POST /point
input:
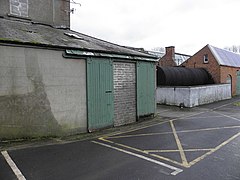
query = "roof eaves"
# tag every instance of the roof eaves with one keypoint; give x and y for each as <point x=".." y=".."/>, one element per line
<point x="215" y="54"/>
<point x="82" y="53"/>
<point x="182" y="54"/>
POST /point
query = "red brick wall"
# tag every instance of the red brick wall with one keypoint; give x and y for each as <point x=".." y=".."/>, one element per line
<point x="196" y="61"/>
<point x="225" y="71"/>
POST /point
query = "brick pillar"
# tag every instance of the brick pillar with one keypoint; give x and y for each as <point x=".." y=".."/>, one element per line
<point x="170" y="52"/>
<point x="169" y="58"/>
<point x="124" y="93"/>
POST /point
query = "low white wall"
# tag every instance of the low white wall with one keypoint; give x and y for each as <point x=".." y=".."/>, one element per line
<point x="193" y="95"/>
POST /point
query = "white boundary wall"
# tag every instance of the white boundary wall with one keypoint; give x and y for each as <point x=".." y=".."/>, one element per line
<point x="191" y="96"/>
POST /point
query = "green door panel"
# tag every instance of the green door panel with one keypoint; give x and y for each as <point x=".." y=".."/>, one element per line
<point x="100" y="93"/>
<point x="146" y="88"/>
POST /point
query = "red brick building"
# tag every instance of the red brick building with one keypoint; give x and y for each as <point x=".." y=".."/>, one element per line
<point x="223" y="65"/>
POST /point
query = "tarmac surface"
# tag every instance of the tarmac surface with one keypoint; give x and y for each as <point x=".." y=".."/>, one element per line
<point x="180" y="143"/>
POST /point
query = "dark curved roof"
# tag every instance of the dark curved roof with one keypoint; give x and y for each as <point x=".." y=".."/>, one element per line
<point x="181" y="76"/>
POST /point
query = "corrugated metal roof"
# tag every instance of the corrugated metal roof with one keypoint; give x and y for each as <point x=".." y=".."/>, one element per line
<point x="181" y="58"/>
<point x="156" y="53"/>
<point x="38" y="35"/>
<point x="224" y="57"/>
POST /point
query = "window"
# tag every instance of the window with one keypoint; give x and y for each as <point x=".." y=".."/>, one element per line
<point x="205" y="58"/>
<point x="19" y="7"/>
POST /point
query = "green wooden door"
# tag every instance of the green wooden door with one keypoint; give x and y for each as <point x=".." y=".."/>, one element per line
<point x="99" y="93"/>
<point x="146" y="88"/>
<point x="238" y="83"/>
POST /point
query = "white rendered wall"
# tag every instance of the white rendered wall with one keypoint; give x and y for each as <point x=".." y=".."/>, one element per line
<point x="193" y="95"/>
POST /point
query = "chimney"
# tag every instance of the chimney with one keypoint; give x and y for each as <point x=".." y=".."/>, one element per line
<point x="61" y="13"/>
<point x="169" y="58"/>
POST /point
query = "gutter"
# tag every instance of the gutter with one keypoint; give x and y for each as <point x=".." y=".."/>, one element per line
<point x="76" y="52"/>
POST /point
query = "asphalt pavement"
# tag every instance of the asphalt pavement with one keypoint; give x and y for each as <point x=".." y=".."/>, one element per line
<point x="180" y="143"/>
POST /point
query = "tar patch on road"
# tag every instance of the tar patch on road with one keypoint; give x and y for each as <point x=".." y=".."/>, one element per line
<point x="182" y="142"/>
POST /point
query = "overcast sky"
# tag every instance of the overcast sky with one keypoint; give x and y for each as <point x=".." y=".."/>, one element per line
<point x="186" y="24"/>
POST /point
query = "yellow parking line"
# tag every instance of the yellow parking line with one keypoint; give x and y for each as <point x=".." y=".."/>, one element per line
<point x="122" y="145"/>
<point x="175" y="169"/>
<point x="168" y="132"/>
<point x="167" y="159"/>
<point x="142" y="151"/>
<point x="208" y="129"/>
<point x="176" y="150"/>
<point x="188" y="116"/>
<point x="213" y="150"/>
<point x="203" y="117"/>
<point x="228" y="116"/>
<point x="179" y="145"/>
<point x="146" y="126"/>
<point x="106" y="140"/>
<point x="138" y="135"/>
<point x="224" y="105"/>
<point x="134" y="129"/>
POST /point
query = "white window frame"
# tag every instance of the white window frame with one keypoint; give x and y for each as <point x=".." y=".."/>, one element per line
<point x="205" y="59"/>
<point x="21" y="15"/>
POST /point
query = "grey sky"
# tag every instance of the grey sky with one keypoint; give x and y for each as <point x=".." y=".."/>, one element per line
<point x="186" y="24"/>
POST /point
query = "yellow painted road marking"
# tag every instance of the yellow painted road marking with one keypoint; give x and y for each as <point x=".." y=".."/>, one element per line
<point x="224" y="105"/>
<point x="138" y="135"/>
<point x="162" y="133"/>
<point x="228" y="116"/>
<point x="132" y="148"/>
<point x="179" y="145"/>
<point x="208" y="129"/>
<point x="142" y="151"/>
<point x="103" y="139"/>
<point x="176" y="150"/>
<point x="146" y="126"/>
<point x="203" y="117"/>
<point x="213" y="150"/>
<point x="175" y="169"/>
<point x="180" y="149"/>
<point x="134" y="129"/>
<point x="106" y="139"/>
<point x="167" y="159"/>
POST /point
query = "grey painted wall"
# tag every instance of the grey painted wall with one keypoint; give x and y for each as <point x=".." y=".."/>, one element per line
<point x="193" y="96"/>
<point x="41" y="93"/>
<point x="4" y="7"/>
<point x="124" y="93"/>
<point x="54" y="12"/>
